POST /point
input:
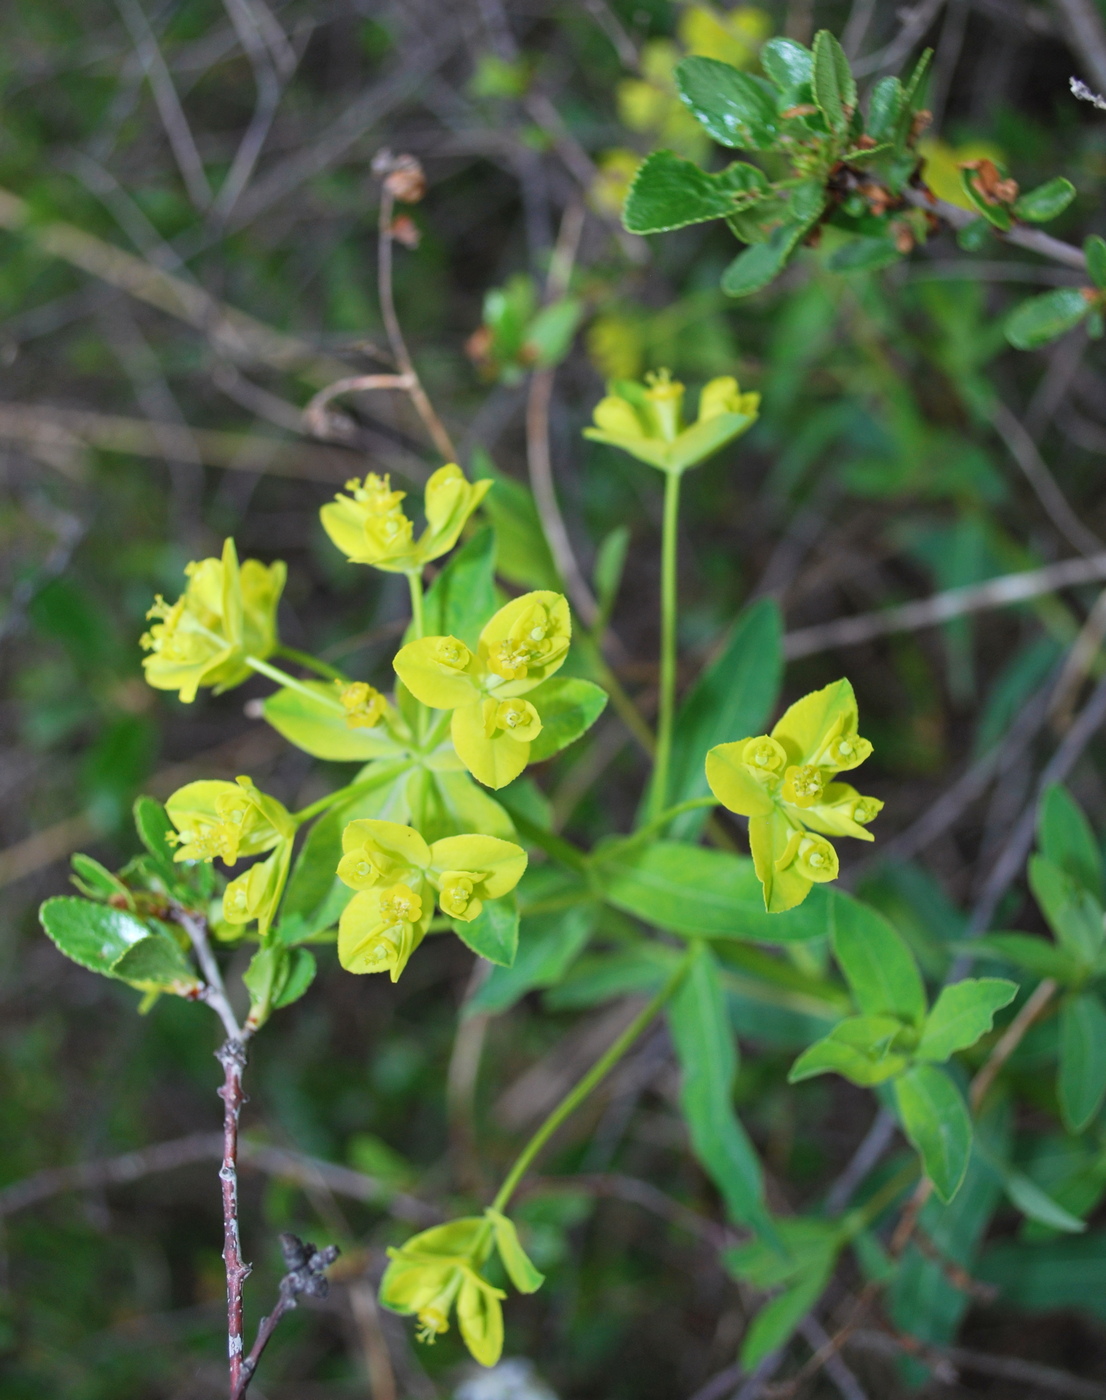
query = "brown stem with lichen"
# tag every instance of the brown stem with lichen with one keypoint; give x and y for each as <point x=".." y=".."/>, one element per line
<point x="232" y="1057"/>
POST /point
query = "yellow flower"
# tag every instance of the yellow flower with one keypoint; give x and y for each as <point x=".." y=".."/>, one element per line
<point x="370" y="527"/>
<point x="256" y="894"/>
<point x="226" y="613"/>
<point x="365" y="707"/>
<point x="784" y="782"/>
<point x="492" y="727"/>
<point x="397" y="876"/>
<point x="734" y="37"/>
<point x="646" y="420"/>
<point x="226" y="820"/>
<point x="440" y="1269"/>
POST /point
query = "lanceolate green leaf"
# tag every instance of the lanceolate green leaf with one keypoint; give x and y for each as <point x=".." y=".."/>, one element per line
<point x="1041" y="319"/>
<point x="1066" y="839"/>
<point x="878" y="966"/>
<point x="1082" y="1081"/>
<point x="962" y="1013"/>
<point x="1038" y="1205"/>
<point x="733" y="697"/>
<point x="568" y="707"/>
<point x="706" y="893"/>
<point x="735" y="108"/>
<point x="935" y="1119"/>
<point x="1073" y="914"/>
<point x="669" y="192"/>
<point x="462" y="597"/>
<point x="778" y="1319"/>
<point x="707" y="1057"/>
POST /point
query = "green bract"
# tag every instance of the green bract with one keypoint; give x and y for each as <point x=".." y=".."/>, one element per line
<point x="646" y="420"/>
<point x="397" y="877"/>
<point x="785" y="784"/>
<point x="492" y="726"/>
<point x="226" y="613"/>
<point x="369" y="525"/>
<point x="440" y="1270"/>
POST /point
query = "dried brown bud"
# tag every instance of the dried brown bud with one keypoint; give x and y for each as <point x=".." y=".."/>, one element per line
<point x="814" y="237"/>
<point x="989" y="184"/>
<point x="878" y="198"/>
<point x="921" y="120"/>
<point x="866" y="143"/>
<point x="405" y="231"/>
<point x="403" y="175"/>
<point x="804" y="109"/>
<point x="903" y="236"/>
<point x="478" y="347"/>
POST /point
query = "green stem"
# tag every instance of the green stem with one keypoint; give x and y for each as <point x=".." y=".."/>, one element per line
<point x="351" y="790"/>
<point x="311" y="663"/>
<point x="594" y="1077"/>
<point x="414" y="583"/>
<point x="618" y="849"/>
<point x="274" y="673"/>
<point x="658" y="795"/>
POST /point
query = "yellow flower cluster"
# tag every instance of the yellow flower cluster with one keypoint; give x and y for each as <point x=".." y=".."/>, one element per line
<point x="369" y="525"/>
<point x="397" y="876"/>
<point x="492" y="725"/>
<point x="785" y="783"/>
<point x="226" y="613"/>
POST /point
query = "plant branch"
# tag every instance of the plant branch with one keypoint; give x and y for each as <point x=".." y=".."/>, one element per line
<point x="1020" y="235"/>
<point x="232" y="1056"/>
<point x="417" y="394"/>
<point x="311" y="663"/>
<point x="590" y="1081"/>
<point x="305" y="1265"/>
<point x="1024" y="451"/>
<point x="215" y="992"/>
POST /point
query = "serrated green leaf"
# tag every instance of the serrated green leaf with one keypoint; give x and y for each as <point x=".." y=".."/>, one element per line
<point x="878" y="966"/>
<point x="1046" y="201"/>
<point x="787" y="63"/>
<point x="96" y="881"/>
<point x="1094" y="250"/>
<point x="885" y="109"/>
<point x="707" y="1056"/>
<point x="157" y="963"/>
<point x="859" y="1048"/>
<point x="734" y="694"/>
<point x="1066" y="839"/>
<point x="493" y="934"/>
<point x="935" y="1119"/>
<point x="735" y="108"/>
<point x="1082" y="1079"/>
<point x="704" y="893"/>
<point x="832" y="83"/>
<point x="94" y="935"/>
<point x="1041" y="319"/>
<point x="863" y="254"/>
<point x="669" y="192"/>
<point x="568" y="708"/>
<point x="962" y="1014"/>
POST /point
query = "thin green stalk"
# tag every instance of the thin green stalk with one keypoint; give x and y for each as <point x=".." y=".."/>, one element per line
<point x="311" y="663"/>
<point x="658" y="795"/>
<point x="274" y="673"/>
<point x="351" y="790"/>
<point x="618" y="849"/>
<point x="414" y="583"/>
<point x="591" y="1080"/>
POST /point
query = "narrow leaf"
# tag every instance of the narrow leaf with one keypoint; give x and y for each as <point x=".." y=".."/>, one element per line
<point x="1067" y="840"/>
<point x="833" y="83"/>
<point x="935" y="1119"/>
<point x="1041" y="319"/>
<point x="878" y="966"/>
<point x="1094" y="250"/>
<point x="1082" y="1081"/>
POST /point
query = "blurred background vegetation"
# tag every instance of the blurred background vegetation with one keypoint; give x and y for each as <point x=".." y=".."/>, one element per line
<point x="170" y="169"/>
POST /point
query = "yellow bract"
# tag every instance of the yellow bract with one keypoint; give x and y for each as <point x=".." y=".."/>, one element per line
<point x="397" y="876"/>
<point x="441" y="1268"/>
<point x="226" y="613"/>
<point x="492" y="727"/>
<point x="364" y="705"/>
<point x="784" y="782"/>
<point x="216" y="818"/>
<point x="646" y="420"/>
<point x="369" y="525"/>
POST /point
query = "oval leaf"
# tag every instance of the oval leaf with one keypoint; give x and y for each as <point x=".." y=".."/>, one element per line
<point x="94" y="935"/>
<point x="935" y="1119"/>
<point x="1041" y="319"/>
